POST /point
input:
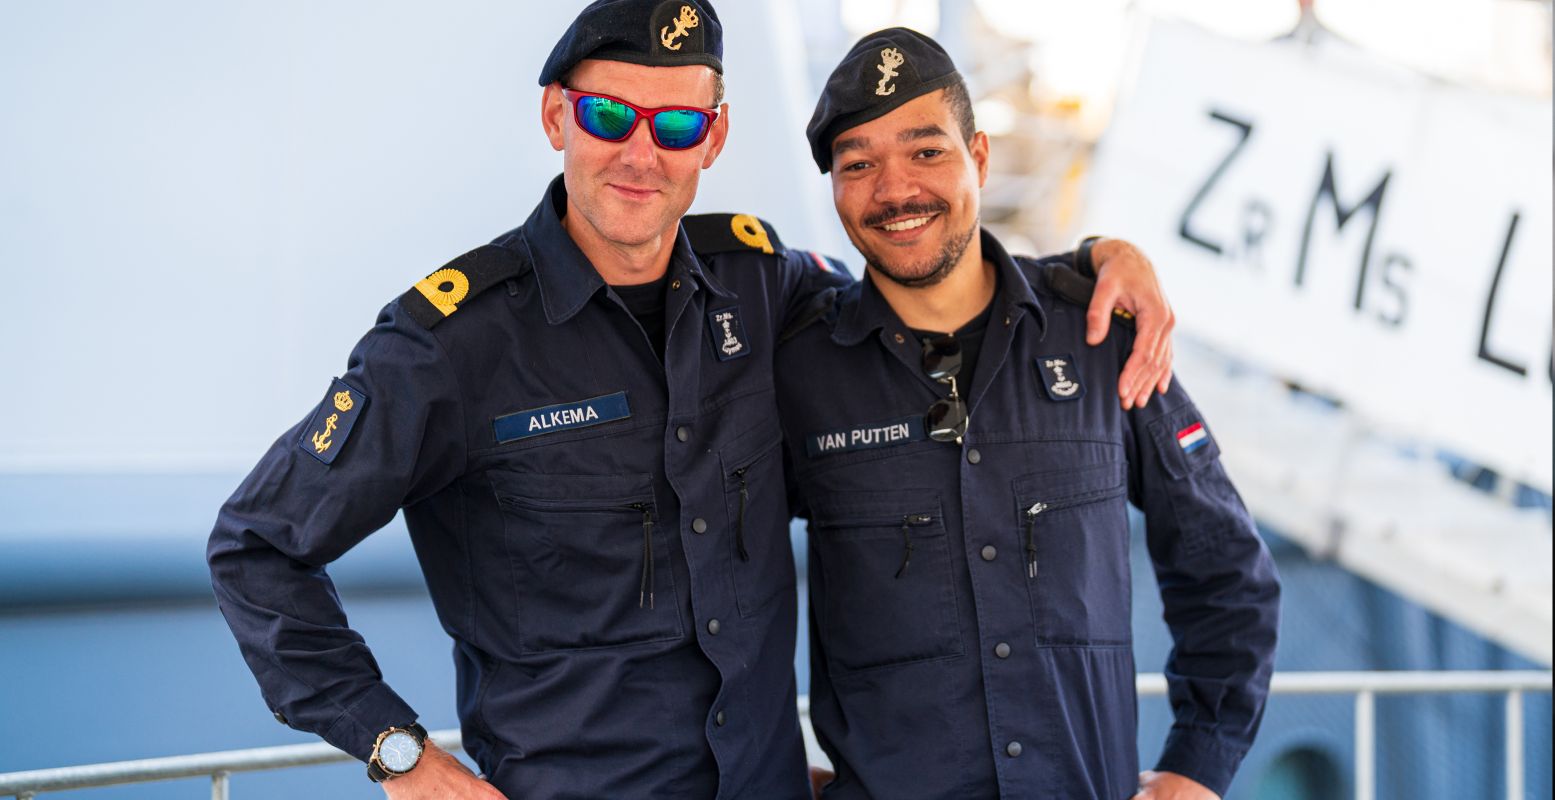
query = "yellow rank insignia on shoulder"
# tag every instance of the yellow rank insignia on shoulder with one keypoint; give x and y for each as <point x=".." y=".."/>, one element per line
<point x="729" y="233"/>
<point x="326" y="432"/>
<point x="445" y="289"/>
<point x="437" y="296"/>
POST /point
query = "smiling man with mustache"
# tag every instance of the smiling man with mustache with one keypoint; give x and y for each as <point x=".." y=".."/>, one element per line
<point x="969" y="564"/>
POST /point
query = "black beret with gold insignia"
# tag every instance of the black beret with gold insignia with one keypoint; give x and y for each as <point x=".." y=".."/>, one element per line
<point x="880" y="74"/>
<point x="654" y="33"/>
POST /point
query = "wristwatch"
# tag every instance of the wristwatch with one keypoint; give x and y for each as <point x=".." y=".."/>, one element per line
<point x="396" y="752"/>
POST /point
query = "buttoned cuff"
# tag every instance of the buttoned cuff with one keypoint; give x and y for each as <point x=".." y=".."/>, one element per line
<point x="1201" y="756"/>
<point x="357" y="728"/>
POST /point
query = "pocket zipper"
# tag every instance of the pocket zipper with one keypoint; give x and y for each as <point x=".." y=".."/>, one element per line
<point x="910" y="521"/>
<point x="739" y="524"/>
<point x="1030" y="515"/>
<point x="593" y="505"/>
<point x="645" y="588"/>
<point x="1031" y="543"/>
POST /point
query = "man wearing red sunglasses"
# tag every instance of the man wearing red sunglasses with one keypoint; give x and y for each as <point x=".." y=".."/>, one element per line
<point x="578" y="423"/>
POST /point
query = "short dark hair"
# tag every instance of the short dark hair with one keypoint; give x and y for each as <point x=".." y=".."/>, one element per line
<point x="960" y="102"/>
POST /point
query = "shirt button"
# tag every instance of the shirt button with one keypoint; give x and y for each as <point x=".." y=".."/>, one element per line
<point x="683" y="433"/>
<point x="719" y="719"/>
<point x="1001" y="650"/>
<point x="990" y="552"/>
<point x="1013" y="748"/>
<point x="675" y="284"/>
<point x="972" y="456"/>
<point x="713" y="627"/>
<point x="699" y="525"/>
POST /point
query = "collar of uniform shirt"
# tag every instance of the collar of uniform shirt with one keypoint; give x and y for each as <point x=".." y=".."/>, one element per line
<point x="970" y="336"/>
<point x="864" y="310"/>
<point x="567" y="278"/>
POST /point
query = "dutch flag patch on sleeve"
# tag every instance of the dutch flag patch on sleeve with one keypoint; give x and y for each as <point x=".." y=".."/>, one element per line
<point x="1192" y="437"/>
<point x="1183" y="441"/>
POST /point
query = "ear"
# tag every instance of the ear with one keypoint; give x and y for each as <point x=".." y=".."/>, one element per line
<point x="717" y="136"/>
<point x="979" y="150"/>
<point x="553" y="115"/>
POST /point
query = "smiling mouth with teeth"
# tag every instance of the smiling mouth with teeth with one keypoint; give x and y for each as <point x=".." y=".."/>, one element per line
<point x="907" y="224"/>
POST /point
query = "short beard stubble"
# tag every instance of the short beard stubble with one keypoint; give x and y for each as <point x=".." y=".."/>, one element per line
<point x="936" y="270"/>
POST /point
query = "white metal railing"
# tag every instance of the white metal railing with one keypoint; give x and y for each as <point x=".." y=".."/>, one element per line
<point x="1365" y="686"/>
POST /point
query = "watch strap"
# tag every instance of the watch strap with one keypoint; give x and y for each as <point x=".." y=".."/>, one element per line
<point x="1082" y="260"/>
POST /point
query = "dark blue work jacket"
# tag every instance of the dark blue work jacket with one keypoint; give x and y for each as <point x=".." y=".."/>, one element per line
<point x="604" y="535"/>
<point x="970" y="604"/>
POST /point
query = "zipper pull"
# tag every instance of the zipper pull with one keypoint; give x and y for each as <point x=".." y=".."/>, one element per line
<point x="739" y="525"/>
<point x="908" y="521"/>
<point x="645" y="588"/>
<point x="1031" y="544"/>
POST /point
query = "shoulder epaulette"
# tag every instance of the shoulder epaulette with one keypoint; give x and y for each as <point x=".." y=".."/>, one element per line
<point x="728" y="233"/>
<point x="1068" y="284"/>
<point x="822" y="306"/>
<point x="440" y="294"/>
<point x="1072" y="287"/>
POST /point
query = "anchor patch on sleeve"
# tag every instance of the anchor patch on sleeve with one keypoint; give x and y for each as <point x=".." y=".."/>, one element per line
<point x="332" y="422"/>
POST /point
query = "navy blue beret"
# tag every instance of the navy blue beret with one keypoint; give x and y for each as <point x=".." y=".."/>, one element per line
<point x="880" y="74"/>
<point x="654" y="33"/>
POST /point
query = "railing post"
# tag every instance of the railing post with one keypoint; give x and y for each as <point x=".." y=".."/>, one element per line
<point x="1365" y="745"/>
<point x="1514" y="745"/>
<point x="219" y="781"/>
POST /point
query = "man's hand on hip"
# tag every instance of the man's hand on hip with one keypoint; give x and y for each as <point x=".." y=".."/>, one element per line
<point x="1171" y="786"/>
<point x="439" y="776"/>
<point x="1125" y="279"/>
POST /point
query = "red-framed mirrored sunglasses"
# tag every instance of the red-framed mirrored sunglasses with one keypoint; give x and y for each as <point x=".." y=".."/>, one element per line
<point x="612" y="119"/>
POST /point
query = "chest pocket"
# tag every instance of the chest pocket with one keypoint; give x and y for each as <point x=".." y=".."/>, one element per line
<point x="757" y="503"/>
<point x="886" y="594"/>
<point x="1072" y="528"/>
<point x="591" y="566"/>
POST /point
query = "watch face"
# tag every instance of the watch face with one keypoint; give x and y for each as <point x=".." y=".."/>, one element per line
<point x="399" y="752"/>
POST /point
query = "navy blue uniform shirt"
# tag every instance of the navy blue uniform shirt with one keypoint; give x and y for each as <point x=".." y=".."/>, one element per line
<point x="970" y="604"/>
<point x="604" y="536"/>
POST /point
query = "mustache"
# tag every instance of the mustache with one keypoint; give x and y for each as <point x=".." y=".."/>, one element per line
<point x="893" y="212"/>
